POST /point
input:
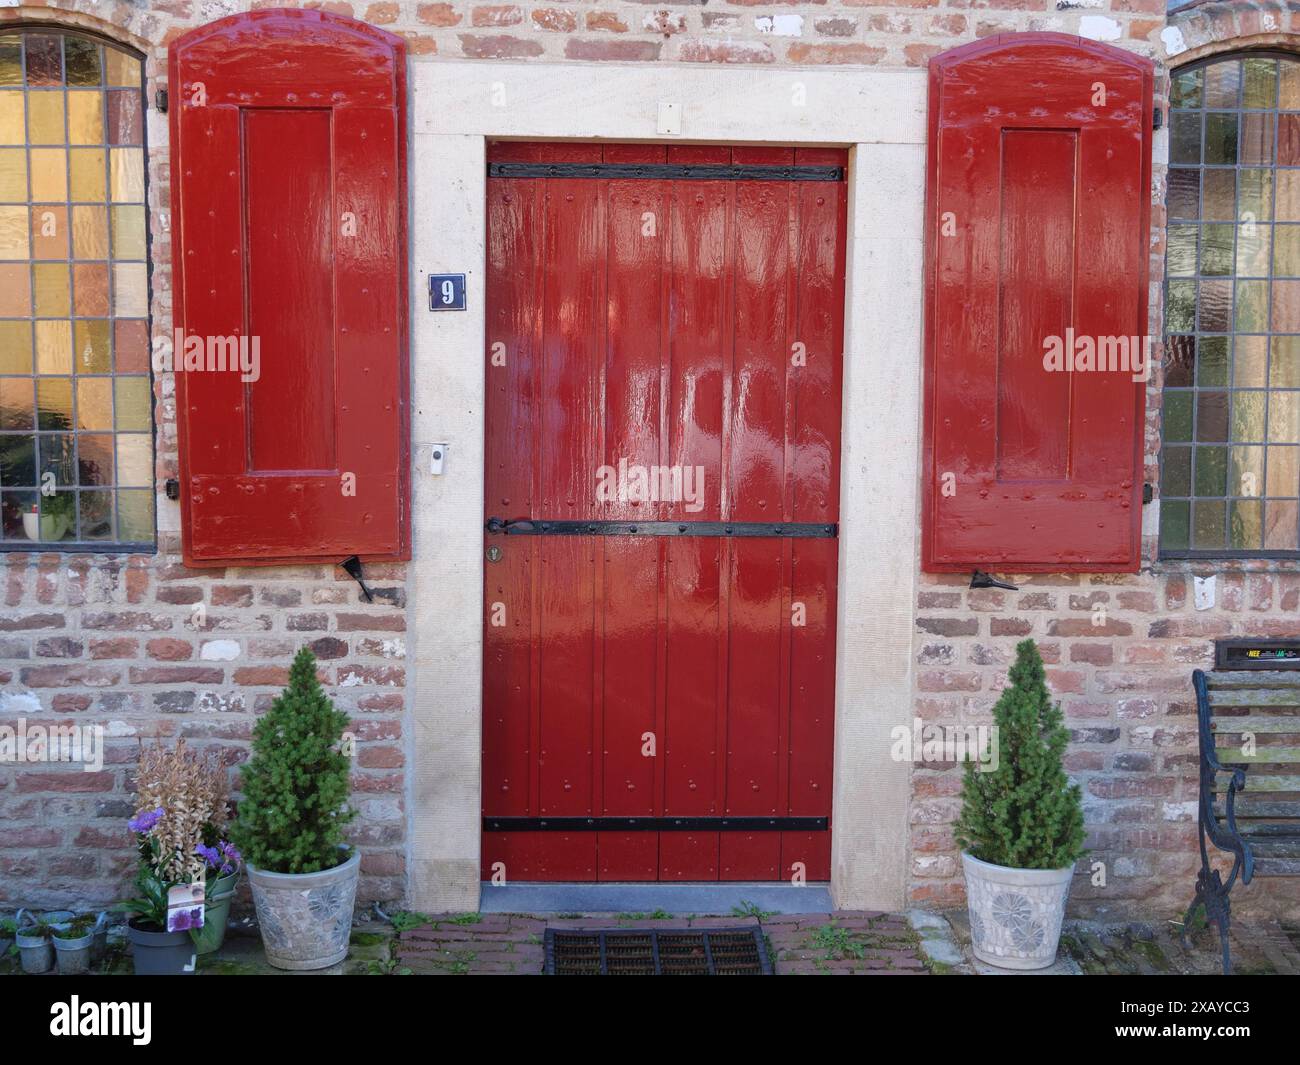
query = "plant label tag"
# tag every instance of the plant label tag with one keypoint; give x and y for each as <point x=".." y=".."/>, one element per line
<point x="184" y="907"/>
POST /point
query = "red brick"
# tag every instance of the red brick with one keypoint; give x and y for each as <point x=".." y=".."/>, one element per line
<point x="618" y="51"/>
<point x="834" y="53"/>
<point x="1010" y="627"/>
<point x="605" y="20"/>
<point x="176" y="675"/>
<point x="438" y="15"/>
<point x="262" y="676"/>
<point x="33" y="837"/>
<point x="1097" y="654"/>
<point x="555" y="19"/>
<point x="78" y="675"/>
<point x="59" y="647"/>
<point x="382" y="675"/>
<point x="1085" y="627"/>
<point x="74" y="779"/>
<point x="497" y="15"/>
<point x="371" y="623"/>
<point x="500" y="46"/>
<point x="179" y="595"/>
<point x="168" y="649"/>
<point x="936" y="680"/>
<point x="232" y="595"/>
<point x="114" y="647"/>
<point x="127" y="621"/>
<point x="380" y="757"/>
<point x="382" y="14"/>
<point x="25" y="622"/>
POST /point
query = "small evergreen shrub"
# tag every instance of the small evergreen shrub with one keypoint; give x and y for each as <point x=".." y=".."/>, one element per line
<point x="1025" y="814"/>
<point x="296" y="784"/>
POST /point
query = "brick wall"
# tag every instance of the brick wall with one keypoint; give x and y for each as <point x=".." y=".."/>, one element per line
<point x="122" y="642"/>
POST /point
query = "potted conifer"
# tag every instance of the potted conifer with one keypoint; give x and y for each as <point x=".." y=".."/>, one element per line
<point x="1021" y="826"/>
<point x="290" y="826"/>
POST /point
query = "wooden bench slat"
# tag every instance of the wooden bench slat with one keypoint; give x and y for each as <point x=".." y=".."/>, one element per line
<point x="1250" y="807"/>
<point x="1253" y="830"/>
<point x="1277" y="867"/>
<point x="1253" y="678"/>
<point x="1255" y="697"/>
<point x="1276" y="848"/>
<point x="1255" y="723"/>
<point x="1263" y="782"/>
<point x="1231" y="755"/>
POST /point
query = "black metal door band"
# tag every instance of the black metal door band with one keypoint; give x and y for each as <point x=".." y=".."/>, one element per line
<point x="794" y="530"/>
<point x="655" y="824"/>
<point x="666" y="171"/>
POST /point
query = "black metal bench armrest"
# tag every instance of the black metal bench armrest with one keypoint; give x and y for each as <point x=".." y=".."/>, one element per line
<point x="1224" y="833"/>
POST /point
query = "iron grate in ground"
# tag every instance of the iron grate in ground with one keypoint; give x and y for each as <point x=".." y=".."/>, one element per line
<point x="657" y="952"/>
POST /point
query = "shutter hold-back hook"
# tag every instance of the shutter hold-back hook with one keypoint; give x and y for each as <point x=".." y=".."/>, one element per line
<point x="980" y="579"/>
<point x="352" y="567"/>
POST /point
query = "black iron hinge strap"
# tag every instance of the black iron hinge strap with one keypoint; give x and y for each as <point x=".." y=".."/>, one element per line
<point x="666" y="171"/>
<point x="655" y="824"/>
<point x="798" y="529"/>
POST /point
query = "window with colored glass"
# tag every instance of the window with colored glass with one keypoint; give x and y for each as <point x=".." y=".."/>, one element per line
<point x="1230" y="458"/>
<point x="76" y="412"/>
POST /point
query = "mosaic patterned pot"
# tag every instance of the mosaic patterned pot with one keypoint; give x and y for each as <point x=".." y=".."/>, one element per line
<point x="306" y="918"/>
<point x="1015" y="914"/>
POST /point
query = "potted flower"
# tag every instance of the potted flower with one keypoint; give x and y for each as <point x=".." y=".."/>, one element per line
<point x="290" y="826"/>
<point x="1021" y="826"/>
<point x="72" y="942"/>
<point x="181" y="799"/>
<point x="32" y="936"/>
<point x="222" y="865"/>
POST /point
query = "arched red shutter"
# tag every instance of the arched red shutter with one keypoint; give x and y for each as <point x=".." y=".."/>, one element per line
<point x="1037" y="228"/>
<point x="288" y="188"/>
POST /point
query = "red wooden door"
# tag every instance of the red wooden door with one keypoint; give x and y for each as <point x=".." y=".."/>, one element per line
<point x="663" y="377"/>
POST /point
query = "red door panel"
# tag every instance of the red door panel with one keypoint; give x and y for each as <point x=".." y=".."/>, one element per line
<point x="672" y="322"/>
<point x="1039" y="210"/>
<point x="289" y="204"/>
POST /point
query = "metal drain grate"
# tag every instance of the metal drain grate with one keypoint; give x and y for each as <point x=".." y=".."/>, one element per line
<point x="657" y="952"/>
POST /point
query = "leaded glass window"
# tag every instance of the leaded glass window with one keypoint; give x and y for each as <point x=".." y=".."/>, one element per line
<point x="1230" y="460"/>
<point x="76" y="412"/>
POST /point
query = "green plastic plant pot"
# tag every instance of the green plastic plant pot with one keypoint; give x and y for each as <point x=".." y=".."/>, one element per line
<point x="215" y="916"/>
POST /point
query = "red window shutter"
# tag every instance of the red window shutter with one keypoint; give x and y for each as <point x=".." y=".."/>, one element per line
<point x="288" y="162"/>
<point x="1038" y="216"/>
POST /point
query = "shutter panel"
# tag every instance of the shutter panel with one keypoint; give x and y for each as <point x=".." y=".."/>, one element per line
<point x="288" y="186"/>
<point x="1037" y="227"/>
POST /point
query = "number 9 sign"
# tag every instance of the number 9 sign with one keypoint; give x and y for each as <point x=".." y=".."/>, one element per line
<point x="446" y="292"/>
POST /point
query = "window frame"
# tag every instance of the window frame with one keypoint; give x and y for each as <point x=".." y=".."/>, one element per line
<point x="1191" y="554"/>
<point x="106" y="547"/>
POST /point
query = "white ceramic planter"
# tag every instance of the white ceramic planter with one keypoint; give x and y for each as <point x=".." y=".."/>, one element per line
<point x="306" y="918"/>
<point x="1015" y="914"/>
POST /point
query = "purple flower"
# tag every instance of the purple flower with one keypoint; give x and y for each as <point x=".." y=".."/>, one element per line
<point x="209" y="855"/>
<point x="186" y="919"/>
<point x="232" y="856"/>
<point x="144" y="822"/>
